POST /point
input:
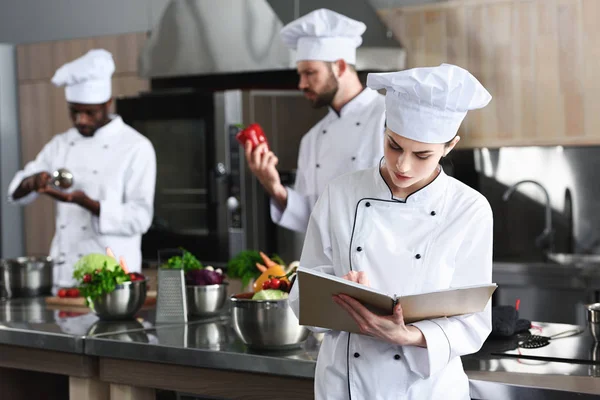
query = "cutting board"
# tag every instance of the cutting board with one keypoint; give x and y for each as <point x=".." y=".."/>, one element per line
<point x="80" y="301"/>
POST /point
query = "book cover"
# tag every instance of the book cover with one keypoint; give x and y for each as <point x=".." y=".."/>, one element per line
<point x="318" y="309"/>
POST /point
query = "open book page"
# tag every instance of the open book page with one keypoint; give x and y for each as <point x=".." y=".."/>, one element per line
<point x="318" y="309"/>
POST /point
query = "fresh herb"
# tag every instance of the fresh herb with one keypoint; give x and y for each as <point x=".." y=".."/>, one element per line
<point x="187" y="262"/>
<point x="102" y="281"/>
<point x="243" y="265"/>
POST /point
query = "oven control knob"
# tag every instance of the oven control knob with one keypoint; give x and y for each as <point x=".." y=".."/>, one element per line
<point x="233" y="203"/>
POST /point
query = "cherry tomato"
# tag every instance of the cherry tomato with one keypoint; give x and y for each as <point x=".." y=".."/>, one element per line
<point x="73" y="293"/>
<point x="62" y="293"/>
<point x="284" y="286"/>
<point x="87" y="278"/>
<point x="275" y="283"/>
<point x="266" y="284"/>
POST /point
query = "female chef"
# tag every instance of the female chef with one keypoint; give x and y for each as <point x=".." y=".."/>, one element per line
<point x="405" y="227"/>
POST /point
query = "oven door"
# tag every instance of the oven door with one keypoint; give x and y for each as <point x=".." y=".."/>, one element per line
<point x="181" y="126"/>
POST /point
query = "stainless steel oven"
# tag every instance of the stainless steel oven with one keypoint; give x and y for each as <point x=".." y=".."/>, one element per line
<point x="206" y="200"/>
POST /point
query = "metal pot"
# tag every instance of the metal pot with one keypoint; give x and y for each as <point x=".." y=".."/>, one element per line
<point x="593" y="320"/>
<point x="266" y="324"/>
<point x="26" y="277"/>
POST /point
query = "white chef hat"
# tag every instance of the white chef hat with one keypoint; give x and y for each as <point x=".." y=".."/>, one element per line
<point x="324" y="35"/>
<point x="88" y="78"/>
<point x="429" y="104"/>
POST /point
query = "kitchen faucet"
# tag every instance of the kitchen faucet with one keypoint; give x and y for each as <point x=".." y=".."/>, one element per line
<point x="546" y="238"/>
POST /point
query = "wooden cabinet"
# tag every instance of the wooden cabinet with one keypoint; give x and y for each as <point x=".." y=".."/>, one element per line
<point x="43" y="110"/>
<point x="540" y="59"/>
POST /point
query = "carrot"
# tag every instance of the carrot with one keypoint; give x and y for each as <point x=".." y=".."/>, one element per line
<point x="268" y="262"/>
<point x="110" y="253"/>
<point x="261" y="267"/>
<point x="123" y="264"/>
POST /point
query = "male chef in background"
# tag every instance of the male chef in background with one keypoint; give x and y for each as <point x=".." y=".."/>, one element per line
<point x="348" y="138"/>
<point x="110" y="203"/>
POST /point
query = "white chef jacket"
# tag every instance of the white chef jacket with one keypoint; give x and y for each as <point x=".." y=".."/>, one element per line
<point x="437" y="238"/>
<point x="338" y="144"/>
<point x="117" y="167"/>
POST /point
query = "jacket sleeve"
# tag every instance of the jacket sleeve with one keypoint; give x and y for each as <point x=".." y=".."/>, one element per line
<point x="452" y="337"/>
<point x="317" y="250"/>
<point x="42" y="163"/>
<point x="297" y="213"/>
<point x="129" y="212"/>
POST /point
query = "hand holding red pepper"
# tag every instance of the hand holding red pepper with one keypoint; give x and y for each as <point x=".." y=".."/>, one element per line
<point x="262" y="162"/>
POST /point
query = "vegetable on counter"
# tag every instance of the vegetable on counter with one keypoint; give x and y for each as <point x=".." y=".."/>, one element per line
<point x="269" y="270"/>
<point x="187" y="262"/>
<point x="204" y="276"/>
<point x="243" y="265"/>
<point x="270" y="294"/>
<point x="99" y="274"/>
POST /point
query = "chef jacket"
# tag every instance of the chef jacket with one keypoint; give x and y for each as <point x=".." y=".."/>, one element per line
<point x="437" y="238"/>
<point x="117" y="167"/>
<point x="338" y="144"/>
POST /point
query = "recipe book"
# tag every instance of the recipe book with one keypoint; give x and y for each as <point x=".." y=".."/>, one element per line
<point x="318" y="309"/>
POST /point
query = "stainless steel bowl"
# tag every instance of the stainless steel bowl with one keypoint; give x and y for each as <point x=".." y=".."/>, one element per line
<point x="62" y="178"/>
<point x="266" y="324"/>
<point x="206" y="300"/>
<point x="122" y="303"/>
<point x="593" y="320"/>
<point x="26" y="277"/>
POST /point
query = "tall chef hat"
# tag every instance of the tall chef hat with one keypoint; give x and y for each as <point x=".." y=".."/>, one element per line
<point x="429" y="104"/>
<point x="87" y="79"/>
<point x="324" y="35"/>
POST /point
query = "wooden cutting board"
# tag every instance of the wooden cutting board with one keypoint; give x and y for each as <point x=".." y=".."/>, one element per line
<point x="80" y="301"/>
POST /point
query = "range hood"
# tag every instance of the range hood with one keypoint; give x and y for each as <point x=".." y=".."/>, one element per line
<point x="204" y="37"/>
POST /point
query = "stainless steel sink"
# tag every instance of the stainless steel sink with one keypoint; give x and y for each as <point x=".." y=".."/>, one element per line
<point x="574" y="259"/>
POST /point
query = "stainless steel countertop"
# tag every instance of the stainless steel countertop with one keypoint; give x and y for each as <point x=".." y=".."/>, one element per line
<point x="213" y="344"/>
<point x="30" y="323"/>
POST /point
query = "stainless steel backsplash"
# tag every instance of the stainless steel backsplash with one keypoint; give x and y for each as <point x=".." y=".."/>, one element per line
<point x="570" y="175"/>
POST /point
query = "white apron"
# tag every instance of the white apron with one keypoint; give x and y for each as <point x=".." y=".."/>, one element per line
<point x="117" y="167"/>
<point x="440" y="237"/>
<point x="334" y="146"/>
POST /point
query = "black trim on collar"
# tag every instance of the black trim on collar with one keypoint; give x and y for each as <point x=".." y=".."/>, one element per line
<point x="390" y="189"/>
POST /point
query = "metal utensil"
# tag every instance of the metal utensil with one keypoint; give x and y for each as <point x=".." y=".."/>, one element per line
<point x="123" y="302"/>
<point x="206" y="300"/>
<point x="537" y="341"/>
<point x="26" y="277"/>
<point x="593" y="320"/>
<point x="266" y="324"/>
<point x="62" y="178"/>
<point x="171" y="300"/>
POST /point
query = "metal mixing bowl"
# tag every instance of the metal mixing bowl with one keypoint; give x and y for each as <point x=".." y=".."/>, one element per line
<point x="266" y="324"/>
<point x="206" y="300"/>
<point x="62" y="178"/>
<point x="26" y="277"/>
<point x="593" y="319"/>
<point x="123" y="302"/>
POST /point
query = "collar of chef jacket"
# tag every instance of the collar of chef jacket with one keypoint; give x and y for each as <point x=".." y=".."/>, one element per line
<point x="357" y="103"/>
<point x="103" y="134"/>
<point x="425" y="195"/>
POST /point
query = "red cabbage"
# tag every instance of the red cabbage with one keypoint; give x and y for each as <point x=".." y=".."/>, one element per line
<point x="203" y="277"/>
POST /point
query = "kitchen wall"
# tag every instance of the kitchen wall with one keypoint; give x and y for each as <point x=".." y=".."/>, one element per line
<point x="569" y="174"/>
<point x="540" y="59"/>
<point x="30" y="21"/>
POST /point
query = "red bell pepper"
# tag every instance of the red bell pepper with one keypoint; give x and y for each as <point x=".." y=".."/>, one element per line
<point x="254" y="134"/>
